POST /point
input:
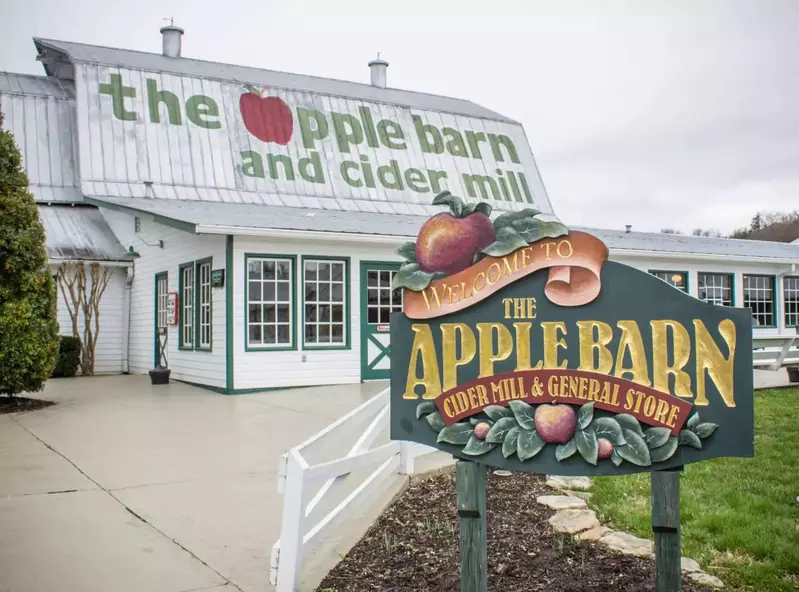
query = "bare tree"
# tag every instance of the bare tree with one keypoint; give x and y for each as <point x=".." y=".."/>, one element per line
<point x="82" y="294"/>
<point x="669" y="231"/>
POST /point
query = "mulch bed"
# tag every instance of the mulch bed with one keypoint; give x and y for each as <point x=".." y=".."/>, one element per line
<point x="414" y="547"/>
<point x="20" y="404"/>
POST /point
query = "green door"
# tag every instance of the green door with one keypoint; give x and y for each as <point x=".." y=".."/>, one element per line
<point x="159" y="315"/>
<point x="378" y="301"/>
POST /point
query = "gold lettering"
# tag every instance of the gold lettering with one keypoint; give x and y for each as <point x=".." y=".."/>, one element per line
<point x="649" y="410"/>
<point x="473" y="403"/>
<point x="552" y="386"/>
<point x="526" y="253"/>
<point x="615" y="401"/>
<point x="673" y="416"/>
<point x="497" y="393"/>
<point x="464" y="400"/>
<point x="594" y="354"/>
<point x="490" y="354"/>
<point x="681" y="345"/>
<point x="519" y="308"/>
<point x="531" y="308"/>
<point x="507" y="267"/>
<point x="507" y="302"/>
<point x="452" y="299"/>
<point x="481" y="394"/>
<point x="475" y="289"/>
<point x="552" y="342"/>
<point x="448" y="407"/>
<point x="493" y="266"/>
<point x="631" y="341"/>
<point x="574" y="384"/>
<point x="593" y="390"/>
<point x="453" y="334"/>
<point x="709" y="358"/>
<point x="522" y="331"/>
<point x="548" y="246"/>
<point x="628" y="399"/>
<point x="423" y="349"/>
<point x="661" y="411"/>
<point x="569" y="250"/>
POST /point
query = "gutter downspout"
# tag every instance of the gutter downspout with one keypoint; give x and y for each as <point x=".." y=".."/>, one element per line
<point x="131" y="272"/>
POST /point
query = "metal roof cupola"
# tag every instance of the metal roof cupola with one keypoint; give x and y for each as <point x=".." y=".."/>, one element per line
<point x="379" y="69"/>
<point x="171" y="36"/>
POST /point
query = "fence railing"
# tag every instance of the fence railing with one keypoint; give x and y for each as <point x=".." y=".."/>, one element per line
<point x="296" y="476"/>
<point x="772" y="353"/>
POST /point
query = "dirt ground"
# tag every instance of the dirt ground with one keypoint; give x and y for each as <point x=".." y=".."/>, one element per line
<point x="414" y="546"/>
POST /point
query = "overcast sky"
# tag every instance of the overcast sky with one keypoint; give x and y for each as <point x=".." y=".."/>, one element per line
<point x="669" y="113"/>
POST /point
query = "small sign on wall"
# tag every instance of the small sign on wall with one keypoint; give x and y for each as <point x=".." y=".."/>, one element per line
<point x="217" y="278"/>
<point x="172" y="308"/>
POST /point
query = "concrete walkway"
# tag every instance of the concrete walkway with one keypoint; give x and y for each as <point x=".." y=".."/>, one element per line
<point x="127" y="487"/>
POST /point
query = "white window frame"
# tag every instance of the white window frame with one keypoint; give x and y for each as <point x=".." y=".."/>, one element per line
<point x="317" y="322"/>
<point x="275" y="302"/>
<point x="205" y="317"/>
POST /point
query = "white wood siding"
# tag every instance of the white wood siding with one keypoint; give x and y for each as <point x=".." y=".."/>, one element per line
<point x="201" y="367"/>
<point x="265" y="369"/>
<point x="110" y="347"/>
<point x="187" y="161"/>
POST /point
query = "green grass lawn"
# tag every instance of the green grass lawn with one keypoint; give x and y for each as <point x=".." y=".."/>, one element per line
<point x="739" y="517"/>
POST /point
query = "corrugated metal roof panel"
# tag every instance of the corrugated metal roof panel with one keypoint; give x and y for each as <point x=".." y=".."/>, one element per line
<point x="79" y="232"/>
<point x="304" y="219"/>
<point x="41" y="115"/>
<point x="139" y="60"/>
<point x="27" y="84"/>
<point x="693" y="245"/>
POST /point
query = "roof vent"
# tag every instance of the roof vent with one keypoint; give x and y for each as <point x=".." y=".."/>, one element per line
<point x="171" y="37"/>
<point x="628" y="228"/>
<point x="378" y="68"/>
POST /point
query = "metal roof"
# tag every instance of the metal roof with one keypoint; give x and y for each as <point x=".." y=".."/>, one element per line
<point x="215" y="217"/>
<point x="657" y="242"/>
<point x="79" y="232"/>
<point x="40" y="113"/>
<point x="156" y="62"/>
<point x="27" y="84"/>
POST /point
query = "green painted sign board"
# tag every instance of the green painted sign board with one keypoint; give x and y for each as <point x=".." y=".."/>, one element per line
<point x="537" y="354"/>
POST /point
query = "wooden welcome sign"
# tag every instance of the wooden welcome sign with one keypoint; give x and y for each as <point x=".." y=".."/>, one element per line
<point x="521" y="347"/>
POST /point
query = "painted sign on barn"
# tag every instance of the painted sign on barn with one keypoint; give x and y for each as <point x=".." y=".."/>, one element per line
<point x="189" y="132"/>
<point x="522" y="347"/>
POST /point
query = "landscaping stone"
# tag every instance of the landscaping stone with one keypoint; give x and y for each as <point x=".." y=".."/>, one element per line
<point x="559" y="482"/>
<point x="595" y="533"/>
<point x="583" y="495"/>
<point x="561" y="502"/>
<point x="689" y="565"/>
<point x="628" y="544"/>
<point x="705" y="579"/>
<point x="572" y="521"/>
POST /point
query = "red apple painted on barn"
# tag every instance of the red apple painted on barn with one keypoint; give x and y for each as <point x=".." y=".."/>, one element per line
<point x="267" y="118"/>
<point x="555" y="423"/>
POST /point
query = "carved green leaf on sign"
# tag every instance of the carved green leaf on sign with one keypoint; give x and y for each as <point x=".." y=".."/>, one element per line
<point x="411" y="276"/>
<point x="703" y="430"/>
<point x="476" y="447"/>
<point x="510" y="442"/>
<point x="585" y="415"/>
<point x="408" y="252"/>
<point x="587" y="445"/>
<point x="424" y="409"/>
<point x="693" y="421"/>
<point x="666" y="451"/>
<point x="616" y="458"/>
<point x="609" y="429"/>
<point x="499" y="430"/>
<point x="507" y="241"/>
<point x="635" y="451"/>
<point x="497" y="412"/>
<point x="435" y="421"/>
<point x="564" y="451"/>
<point x="457" y="433"/>
<point x="655" y="437"/>
<point x="688" y="438"/>
<point x="627" y="421"/>
<point x="524" y="414"/>
<point x="529" y="444"/>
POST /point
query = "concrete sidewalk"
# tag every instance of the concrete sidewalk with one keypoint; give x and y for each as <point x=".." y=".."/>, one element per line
<point x="127" y="487"/>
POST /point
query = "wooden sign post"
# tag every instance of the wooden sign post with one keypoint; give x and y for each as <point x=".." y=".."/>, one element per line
<point x="521" y="347"/>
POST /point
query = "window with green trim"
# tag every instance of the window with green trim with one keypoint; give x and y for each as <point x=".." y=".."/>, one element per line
<point x="186" y="290"/>
<point x="790" y="290"/>
<point x="678" y="279"/>
<point x="759" y="296"/>
<point x="204" y="310"/>
<point x="715" y="288"/>
<point x="325" y="301"/>
<point x="270" y="301"/>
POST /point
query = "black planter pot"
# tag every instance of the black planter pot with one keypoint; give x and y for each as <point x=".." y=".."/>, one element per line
<point x="793" y="373"/>
<point x="160" y="375"/>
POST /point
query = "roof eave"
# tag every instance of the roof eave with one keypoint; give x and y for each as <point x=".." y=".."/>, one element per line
<point x="702" y="256"/>
<point x="385" y="239"/>
<point x="175" y="223"/>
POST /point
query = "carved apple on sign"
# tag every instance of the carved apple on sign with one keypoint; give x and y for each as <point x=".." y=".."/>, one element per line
<point x="267" y="118"/>
<point x="448" y="242"/>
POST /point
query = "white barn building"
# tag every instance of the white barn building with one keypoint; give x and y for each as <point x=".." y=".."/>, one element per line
<point x="271" y="204"/>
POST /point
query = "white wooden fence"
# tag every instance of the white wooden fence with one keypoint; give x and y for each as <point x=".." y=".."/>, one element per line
<point x="772" y="353"/>
<point x="296" y="476"/>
